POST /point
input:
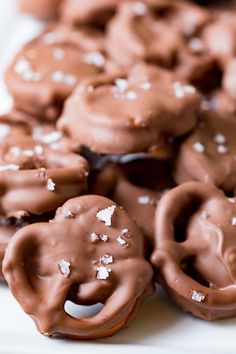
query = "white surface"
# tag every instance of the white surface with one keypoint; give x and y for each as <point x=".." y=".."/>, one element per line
<point x="159" y="327"/>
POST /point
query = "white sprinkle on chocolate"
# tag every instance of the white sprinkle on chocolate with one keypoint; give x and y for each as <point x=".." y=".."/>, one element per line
<point x="69" y="215"/>
<point x="103" y="272"/>
<point x="131" y="96"/>
<point x="121" y="241"/>
<point x="233" y="221"/>
<point x="222" y="149"/>
<point x="107" y="259"/>
<point x="121" y="85"/>
<point x="51" y="186"/>
<point x="204" y="215"/>
<point x="4" y="130"/>
<point x="144" y="200"/>
<point x="139" y="8"/>
<point x="59" y="54"/>
<point x="64" y="267"/>
<point x="199" y="147"/>
<point x="93" y="237"/>
<point x="95" y="58"/>
<point x="11" y="167"/>
<point x="220" y="138"/>
<point x="197" y="296"/>
<point x="146" y="86"/>
<point x="180" y="90"/>
<point x="105" y="215"/>
<point x="103" y="237"/>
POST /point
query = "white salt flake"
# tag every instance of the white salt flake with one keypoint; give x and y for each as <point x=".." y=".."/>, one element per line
<point x="121" y="241"/>
<point x="11" y="167"/>
<point x="103" y="272"/>
<point x="58" y="76"/>
<point x="104" y="237"/>
<point x="220" y="138"/>
<point x="68" y="214"/>
<point x="59" y="54"/>
<point x="199" y="147"/>
<point x="95" y="58"/>
<point x="144" y="200"/>
<point x="51" y="186"/>
<point x="38" y="149"/>
<point x="196" y="296"/>
<point x="22" y="66"/>
<point x="105" y="215"/>
<point x="139" y="8"/>
<point x="93" y="237"/>
<point x="70" y="80"/>
<point x="196" y="44"/>
<point x="233" y="221"/>
<point x="222" y="149"/>
<point x="146" y="86"/>
<point x="131" y="96"/>
<point x="107" y="259"/>
<point x="64" y="267"/>
<point x="15" y="150"/>
<point x="4" y="130"/>
<point x="231" y="200"/>
<point x="121" y="85"/>
<point x="51" y="138"/>
<point x="180" y="90"/>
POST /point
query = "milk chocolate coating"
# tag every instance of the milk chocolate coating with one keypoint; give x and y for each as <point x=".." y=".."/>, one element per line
<point x="229" y="81"/>
<point x="88" y="12"/>
<point x="42" y="9"/>
<point x="46" y="71"/>
<point x="196" y="249"/>
<point x="219" y="37"/>
<point x="34" y="177"/>
<point x="137" y="186"/>
<point x="208" y="154"/>
<point x="48" y="263"/>
<point x="118" y="114"/>
<point x="142" y="36"/>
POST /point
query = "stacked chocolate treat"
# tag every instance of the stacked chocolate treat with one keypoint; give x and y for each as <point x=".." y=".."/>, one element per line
<point x="118" y="162"/>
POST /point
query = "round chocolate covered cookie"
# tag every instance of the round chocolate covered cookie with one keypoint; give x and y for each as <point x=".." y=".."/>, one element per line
<point x="92" y="252"/>
<point x="196" y="249"/>
<point x="46" y="71"/>
<point x="118" y="114"/>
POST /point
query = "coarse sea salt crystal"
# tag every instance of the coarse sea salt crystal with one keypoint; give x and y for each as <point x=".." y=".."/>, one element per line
<point x="4" y="130"/>
<point x="196" y="44"/>
<point x="197" y="296"/>
<point x="121" y="85"/>
<point x="104" y="237"/>
<point x="105" y="215"/>
<point x="222" y="149"/>
<point x="103" y="273"/>
<point x="233" y="221"/>
<point x="68" y="214"/>
<point x="51" y="186"/>
<point x="131" y="96"/>
<point x="93" y="237"/>
<point x="146" y="86"/>
<point x="180" y="90"/>
<point x="231" y="200"/>
<point x="51" y="137"/>
<point x="95" y="58"/>
<point x="121" y="241"/>
<point x="64" y="267"/>
<point x="220" y="138"/>
<point x="199" y="147"/>
<point x="144" y="200"/>
<point x="107" y="259"/>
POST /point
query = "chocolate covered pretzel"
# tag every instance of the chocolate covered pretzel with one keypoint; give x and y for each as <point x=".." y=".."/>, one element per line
<point x="137" y="186"/>
<point x="117" y="114"/>
<point x="88" y="12"/>
<point x="46" y="71"/>
<point x="208" y="154"/>
<point x="42" y="9"/>
<point x="92" y="252"/>
<point x="196" y="249"/>
<point x="142" y="36"/>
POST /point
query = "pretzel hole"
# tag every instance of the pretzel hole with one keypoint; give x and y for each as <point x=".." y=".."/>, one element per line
<point x="181" y="223"/>
<point x="80" y="311"/>
<point x="188" y="267"/>
<point x="155" y="176"/>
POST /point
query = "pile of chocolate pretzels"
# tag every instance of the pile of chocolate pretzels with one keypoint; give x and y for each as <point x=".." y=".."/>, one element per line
<point x="118" y="162"/>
